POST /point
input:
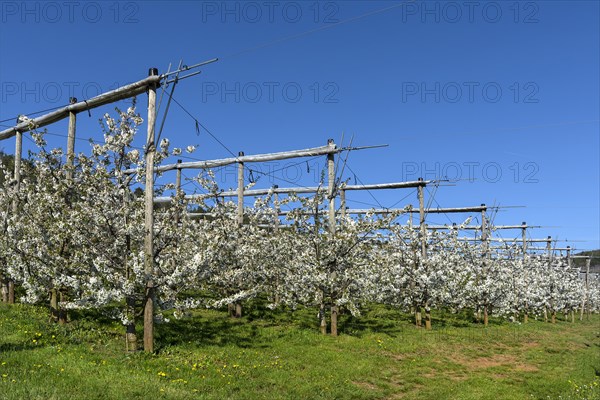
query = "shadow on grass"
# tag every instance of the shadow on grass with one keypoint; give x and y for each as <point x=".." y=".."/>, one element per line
<point x="213" y="331"/>
<point x="5" y="347"/>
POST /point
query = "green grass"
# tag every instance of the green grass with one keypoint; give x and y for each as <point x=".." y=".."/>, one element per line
<point x="281" y="355"/>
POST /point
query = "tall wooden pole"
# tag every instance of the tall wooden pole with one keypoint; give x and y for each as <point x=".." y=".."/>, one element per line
<point x="240" y="191"/>
<point x="60" y="292"/>
<point x="236" y="309"/>
<point x="549" y="247"/>
<point x="343" y="202"/>
<point x="17" y="174"/>
<point x="71" y="140"/>
<point x="423" y="236"/>
<point x="149" y="220"/>
<point x="331" y="221"/>
<point x="524" y="238"/>
<point x="276" y="230"/>
<point x="178" y="189"/>
<point x="587" y="287"/>
<point x="484" y="255"/>
<point x="422" y="220"/>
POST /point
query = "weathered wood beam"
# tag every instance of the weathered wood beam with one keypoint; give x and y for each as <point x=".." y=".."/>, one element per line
<point x="127" y="91"/>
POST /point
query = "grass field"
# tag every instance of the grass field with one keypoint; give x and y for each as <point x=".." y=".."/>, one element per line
<point x="281" y="355"/>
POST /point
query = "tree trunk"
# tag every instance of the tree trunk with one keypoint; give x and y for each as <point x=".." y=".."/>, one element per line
<point x="572" y="316"/>
<point x="553" y="316"/>
<point x="322" y="319"/>
<point x="62" y="313"/>
<point x="334" y="320"/>
<point x="4" y="289"/>
<point x="418" y="320"/>
<point x="485" y="316"/>
<point x="130" y="335"/>
<point x="11" y="291"/>
<point x="54" y="305"/>
<point x="525" y="318"/>
<point x="238" y="310"/>
<point x="545" y="314"/>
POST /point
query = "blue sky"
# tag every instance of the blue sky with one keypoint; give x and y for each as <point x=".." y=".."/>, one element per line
<point x="502" y="97"/>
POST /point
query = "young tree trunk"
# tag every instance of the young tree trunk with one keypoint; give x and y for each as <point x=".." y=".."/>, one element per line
<point x="130" y="335"/>
<point x="525" y="318"/>
<point x="334" y="320"/>
<point x="54" y="305"/>
<point x="553" y="316"/>
<point x="418" y="319"/>
<point x="485" y="316"/>
<point x="545" y="314"/>
<point x="572" y="316"/>
<point x="322" y="319"/>
<point x="4" y="289"/>
<point x="62" y="313"/>
<point x="11" y="292"/>
<point x="238" y="310"/>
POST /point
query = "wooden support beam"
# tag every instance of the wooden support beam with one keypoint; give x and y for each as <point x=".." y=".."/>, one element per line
<point x="309" y="190"/>
<point x="284" y="155"/>
<point x="121" y="93"/>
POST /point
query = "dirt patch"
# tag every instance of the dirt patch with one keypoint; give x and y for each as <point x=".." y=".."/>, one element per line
<point x="497" y="360"/>
<point x="365" y="385"/>
<point x="530" y="345"/>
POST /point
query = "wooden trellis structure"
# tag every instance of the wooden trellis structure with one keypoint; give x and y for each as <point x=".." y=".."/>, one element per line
<point x="149" y="85"/>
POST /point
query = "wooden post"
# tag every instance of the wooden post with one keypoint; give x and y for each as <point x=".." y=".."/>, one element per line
<point x="17" y="174"/>
<point x="484" y="255"/>
<point x="178" y="190"/>
<point x="587" y="287"/>
<point x="130" y="333"/>
<point x="331" y="224"/>
<point x="149" y="220"/>
<point x="422" y="220"/>
<point x="178" y="179"/>
<point x="71" y="140"/>
<point x="276" y="207"/>
<point x="62" y="313"/>
<point x="524" y="238"/>
<point x="343" y="202"/>
<point x="240" y="191"/>
<point x="423" y="230"/>
<point x="549" y="247"/>
<point x="276" y="230"/>
<point x="236" y="308"/>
